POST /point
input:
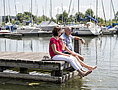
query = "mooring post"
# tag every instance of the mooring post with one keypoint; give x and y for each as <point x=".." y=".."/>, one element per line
<point x="77" y="46"/>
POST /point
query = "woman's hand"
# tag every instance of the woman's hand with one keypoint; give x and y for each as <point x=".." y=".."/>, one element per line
<point x="67" y="55"/>
<point x="74" y="54"/>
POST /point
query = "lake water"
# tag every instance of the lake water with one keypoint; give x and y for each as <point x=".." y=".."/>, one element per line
<point x="101" y="51"/>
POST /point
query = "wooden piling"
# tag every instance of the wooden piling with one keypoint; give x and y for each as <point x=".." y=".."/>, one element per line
<point x="77" y="46"/>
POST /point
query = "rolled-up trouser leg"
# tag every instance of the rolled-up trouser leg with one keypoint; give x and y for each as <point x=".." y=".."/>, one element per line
<point x="72" y="60"/>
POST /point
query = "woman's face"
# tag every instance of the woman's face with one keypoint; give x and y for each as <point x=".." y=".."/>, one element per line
<point x="59" y="33"/>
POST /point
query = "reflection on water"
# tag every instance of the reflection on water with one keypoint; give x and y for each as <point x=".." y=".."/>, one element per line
<point x="100" y="51"/>
<point x="33" y="44"/>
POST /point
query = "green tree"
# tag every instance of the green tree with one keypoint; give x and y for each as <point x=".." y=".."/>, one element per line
<point x="42" y="18"/>
<point x="63" y="16"/>
<point x="80" y="15"/>
<point x="71" y="18"/>
<point x="26" y="16"/>
<point x="117" y="14"/>
<point x="89" y="12"/>
<point x="100" y="20"/>
<point x="20" y="17"/>
<point x="7" y="18"/>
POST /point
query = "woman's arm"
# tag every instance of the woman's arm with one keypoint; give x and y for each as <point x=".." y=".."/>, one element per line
<point x="69" y="51"/>
<point x="56" y="52"/>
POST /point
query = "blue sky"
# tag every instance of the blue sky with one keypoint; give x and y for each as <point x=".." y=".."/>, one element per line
<point x="40" y="5"/>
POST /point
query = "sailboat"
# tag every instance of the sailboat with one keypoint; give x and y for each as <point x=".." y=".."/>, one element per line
<point x="48" y="25"/>
<point x="89" y="28"/>
<point x="0" y="22"/>
<point x="113" y="28"/>
<point x="31" y="28"/>
<point x="3" y="29"/>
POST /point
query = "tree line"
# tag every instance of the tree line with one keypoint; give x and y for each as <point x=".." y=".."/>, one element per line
<point x="63" y="18"/>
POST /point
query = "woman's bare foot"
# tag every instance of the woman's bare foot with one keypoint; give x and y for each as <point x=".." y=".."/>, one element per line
<point x="92" y="68"/>
<point x="88" y="72"/>
<point x="83" y="70"/>
<point x="82" y="74"/>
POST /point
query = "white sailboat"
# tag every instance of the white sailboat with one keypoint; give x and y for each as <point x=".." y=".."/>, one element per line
<point x="0" y="16"/>
<point x="48" y="25"/>
<point x="86" y="29"/>
<point x="0" y="21"/>
<point x="2" y="31"/>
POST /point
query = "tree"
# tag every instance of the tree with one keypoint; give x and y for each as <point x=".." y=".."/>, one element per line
<point x="7" y="18"/>
<point x="80" y="15"/>
<point x="89" y="12"/>
<point x="54" y="20"/>
<point x="28" y="16"/>
<point x="100" y="20"/>
<point x="42" y="18"/>
<point x="71" y="18"/>
<point x="20" y="17"/>
<point x="63" y="16"/>
<point x="117" y="15"/>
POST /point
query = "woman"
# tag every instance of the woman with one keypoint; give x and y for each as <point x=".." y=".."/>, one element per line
<point x="55" y="51"/>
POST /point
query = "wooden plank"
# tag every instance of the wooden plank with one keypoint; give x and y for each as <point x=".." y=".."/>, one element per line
<point x="69" y="76"/>
<point x="30" y="65"/>
<point x="22" y="56"/>
<point x="30" y="60"/>
<point x="33" y="77"/>
<point x="41" y="77"/>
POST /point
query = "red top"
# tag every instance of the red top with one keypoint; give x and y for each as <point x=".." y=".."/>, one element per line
<point x="58" y="46"/>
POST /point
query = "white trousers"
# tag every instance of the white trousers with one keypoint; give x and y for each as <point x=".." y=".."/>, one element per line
<point x="72" y="60"/>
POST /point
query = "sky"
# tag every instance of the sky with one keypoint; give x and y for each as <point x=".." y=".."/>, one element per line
<point x="40" y="7"/>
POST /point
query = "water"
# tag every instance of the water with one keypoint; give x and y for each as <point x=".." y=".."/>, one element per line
<point x="100" y="51"/>
<point x="34" y="44"/>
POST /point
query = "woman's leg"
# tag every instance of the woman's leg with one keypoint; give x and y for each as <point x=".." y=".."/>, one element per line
<point x="68" y="59"/>
<point x="75" y="64"/>
<point x="85" y="65"/>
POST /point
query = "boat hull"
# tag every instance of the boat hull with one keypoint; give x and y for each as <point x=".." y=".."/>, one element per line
<point x="85" y="31"/>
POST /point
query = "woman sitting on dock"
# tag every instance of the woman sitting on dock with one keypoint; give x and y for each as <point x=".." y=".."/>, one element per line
<point x="55" y="51"/>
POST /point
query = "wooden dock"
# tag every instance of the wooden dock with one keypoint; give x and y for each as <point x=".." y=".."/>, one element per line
<point x="34" y="65"/>
<point x="109" y="32"/>
<point x="19" y="35"/>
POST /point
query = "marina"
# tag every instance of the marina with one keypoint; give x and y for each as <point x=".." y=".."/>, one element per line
<point x="25" y="33"/>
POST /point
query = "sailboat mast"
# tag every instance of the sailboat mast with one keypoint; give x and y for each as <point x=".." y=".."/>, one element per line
<point x="9" y="11"/>
<point x="90" y="11"/>
<point x="78" y="11"/>
<point x="103" y="12"/>
<point x="113" y="10"/>
<point x="31" y="11"/>
<point x="16" y="10"/>
<point x="62" y="14"/>
<point x="110" y="13"/>
<point x="78" y="7"/>
<point x="96" y="10"/>
<point x="4" y="10"/>
<point x="51" y="9"/>
<point x="0" y="15"/>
